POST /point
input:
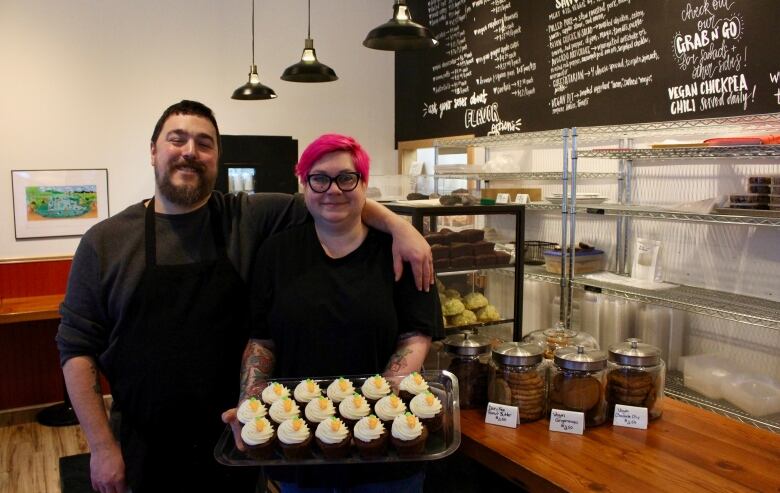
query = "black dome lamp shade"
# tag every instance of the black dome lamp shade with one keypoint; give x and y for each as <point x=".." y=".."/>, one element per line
<point x="400" y="33"/>
<point x="253" y="89"/>
<point x="309" y="69"/>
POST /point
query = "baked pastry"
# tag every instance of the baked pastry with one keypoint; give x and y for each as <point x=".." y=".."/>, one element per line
<point x="462" y="262"/>
<point x="318" y="410"/>
<point x="354" y="408"/>
<point x="524" y="389"/>
<point x="294" y="439"/>
<point x="273" y="392"/>
<point x="579" y="392"/>
<point x="472" y="235"/>
<point x="441" y="264"/>
<point x="473" y="301"/>
<point x="502" y="258"/>
<point x="632" y="387"/>
<point x="452" y="293"/>
<point x="440" y="252"/>
<point x="435" y="239"/>
<point x="427" y="407"/>
<point x="440" y="286"/>
<point x="482" y="247"/>
<point x="452" y="307"/>
<point x="411" y="385"/>
<point x="306" y="391"/>
<point x="487" y="313"/>
<point x="485" y="259"/>
<point x="461" y="250"/>
<point x="250" y="409"/>
<point x="408" y="435"/>
<point x="370" y="437"/>
<point x="387" y="408"/>
<point x="340" y="389"/>
<point x="259" y="438"/>
<point x="333" y="438"/>
<point x="283" y="409"/>
<point x="466" y="317"/>
<point x="374" y="388"/>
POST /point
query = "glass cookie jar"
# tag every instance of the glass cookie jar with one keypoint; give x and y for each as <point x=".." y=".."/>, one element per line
<point x="517" y="377"/>
<point x="577" y="383"/>
<point x="559" y="336"/>
<point x="468" y="361"/>
<point x="636" y="375"/>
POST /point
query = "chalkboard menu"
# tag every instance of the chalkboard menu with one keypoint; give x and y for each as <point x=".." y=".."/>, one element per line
<point x="506" y="66"/>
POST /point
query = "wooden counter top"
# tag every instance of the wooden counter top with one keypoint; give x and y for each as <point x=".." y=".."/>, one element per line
<point x="687" y="449"/>
<point x="13" y="310"/>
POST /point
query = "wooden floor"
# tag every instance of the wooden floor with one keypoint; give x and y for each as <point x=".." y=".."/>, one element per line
<point x="30" y="452"/>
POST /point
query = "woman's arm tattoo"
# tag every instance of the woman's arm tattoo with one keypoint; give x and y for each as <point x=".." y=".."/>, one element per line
<point x="257" y="366"/>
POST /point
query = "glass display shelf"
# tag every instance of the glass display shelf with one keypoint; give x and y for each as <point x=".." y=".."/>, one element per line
<point x="745" y="151"/>
<point x="676" y="389"/>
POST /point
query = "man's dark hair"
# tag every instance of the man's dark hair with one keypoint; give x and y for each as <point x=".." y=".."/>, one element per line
<point x="187" y="107"/>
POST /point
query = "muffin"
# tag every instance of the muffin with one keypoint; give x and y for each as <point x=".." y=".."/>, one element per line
<point x="474" y="301"/>
<point x="318" y="410"/>
<point x="273" y="392"/>
<point x="388" y="407"/>
<point x="306" y="391"/>
<point x="250" y="409"/>
<point x="333" y="438"/>
<point x="259" y="438"/>
<point x="452" y="307"/>
<point x="427" y="407"/>
<point x="284" y="409"/>
<point x="353" y="409"/>
<point x="465" y="317"/>
<point x="411" y="385"/>
<point x="374" y="388"/>
<point x="408" y="435"/>
<point x="370" y="437"/>
<point x="340" y="389"/>
<point x="294" y="439"/>
<point x="452" y="293"/>
<point x="488" y="313"/>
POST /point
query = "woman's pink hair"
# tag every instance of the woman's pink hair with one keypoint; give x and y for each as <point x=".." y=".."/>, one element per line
<point x="327" y="143"/>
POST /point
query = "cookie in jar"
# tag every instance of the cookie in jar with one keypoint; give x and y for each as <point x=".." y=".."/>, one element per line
<point x="469" y="354"/>
<point x="517" y="377"/>
<point x="635" y="377"/>
<point x="577" y="383"/>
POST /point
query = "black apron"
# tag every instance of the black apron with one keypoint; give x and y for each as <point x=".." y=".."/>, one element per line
<point x="177" y="369"/>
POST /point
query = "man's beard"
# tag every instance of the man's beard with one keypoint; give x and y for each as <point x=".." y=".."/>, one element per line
<point x="188" y="194"/>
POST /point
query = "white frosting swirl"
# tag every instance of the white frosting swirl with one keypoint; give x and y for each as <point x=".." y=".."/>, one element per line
<point x="388" y="407"/>
<point x="246" y="413"/>
<point x="425" y="405"/>
<point x="293" y="431"/>
<point x="316" y="412"/>
<point x="364" y="432"/>
<point x="413" y="383"/>
<point x="354" y="408"/>
<point x="257" y="432"/>
<point x="284" y="409"/>
<point x="273" y="392"/>
<point x="332" y="431"/>
<point x="340" y="389"/>
<point x="375" y="387"/>
<point x="307" y="390"/>
<point x="406" y="427"/>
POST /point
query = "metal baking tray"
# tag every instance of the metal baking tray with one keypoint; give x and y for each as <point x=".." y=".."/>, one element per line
<point x="439" y="445"/>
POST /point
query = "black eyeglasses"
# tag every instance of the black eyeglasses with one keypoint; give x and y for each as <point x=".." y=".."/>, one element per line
<point x="321" y="183"/>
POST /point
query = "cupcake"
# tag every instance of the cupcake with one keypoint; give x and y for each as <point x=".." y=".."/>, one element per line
<point x="388" y="407"/>
<point x="370" y="437"/>
<point x="408" y="435"/>
<point x="340" y="389"/>
<point x="427" y="407"/>
<point x="353" y="409"/>
<point x="318" y="410"/>
<point x="306" y="391"/>
<point x="333" y="438"/>
<point x="294" y="439"/>
<point x="411" y="385"/>
<point x="273" y="392"/>
<point x="259" y="438"/>
<point x="249" y="410"/>
<point x="374" y="388"/>
<point x="283" y="409"/>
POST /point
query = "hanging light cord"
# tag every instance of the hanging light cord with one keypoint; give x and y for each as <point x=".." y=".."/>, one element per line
<point x="308" y="27"/>
<point x="253" y="32"/>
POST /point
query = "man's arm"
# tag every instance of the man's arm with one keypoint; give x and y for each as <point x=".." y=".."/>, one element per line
<point x="409" y="355"/>
<point x="408" y="243"/>
<point x="107" y="468"/>
<point x="257" y="365"/>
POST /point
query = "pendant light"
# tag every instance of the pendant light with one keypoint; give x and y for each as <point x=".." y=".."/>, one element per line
<point x="253" y="89"/>
<point x="309" y="69"/>
<point x="400" y="33"/>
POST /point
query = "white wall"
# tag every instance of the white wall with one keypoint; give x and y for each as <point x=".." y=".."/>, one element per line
<point x="82" y="83"/>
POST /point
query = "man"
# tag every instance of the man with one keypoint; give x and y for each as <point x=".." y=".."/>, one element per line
<point x="157" y="300"/>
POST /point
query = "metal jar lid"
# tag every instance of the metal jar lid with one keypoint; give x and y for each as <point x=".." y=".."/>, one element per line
<point x="634" y="353"/>
<point x="518" y="354"/>
<point x="467" y="344"/>
<point x="579" y="358"/>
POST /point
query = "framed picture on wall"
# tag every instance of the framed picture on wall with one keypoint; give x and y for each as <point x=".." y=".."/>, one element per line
<point x="58" y="202"/>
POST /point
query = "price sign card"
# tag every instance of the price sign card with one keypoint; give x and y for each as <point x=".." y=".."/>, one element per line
<point x="630" y="417"/>
<point x="502" y="198"/>
<point x="567" y="421"/>
<point x="501" y="415"/>
<point x="416" y="168"/>
<point x="521" y="198"/>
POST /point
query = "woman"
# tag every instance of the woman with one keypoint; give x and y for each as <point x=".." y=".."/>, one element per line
<point x="325" y="303"/>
